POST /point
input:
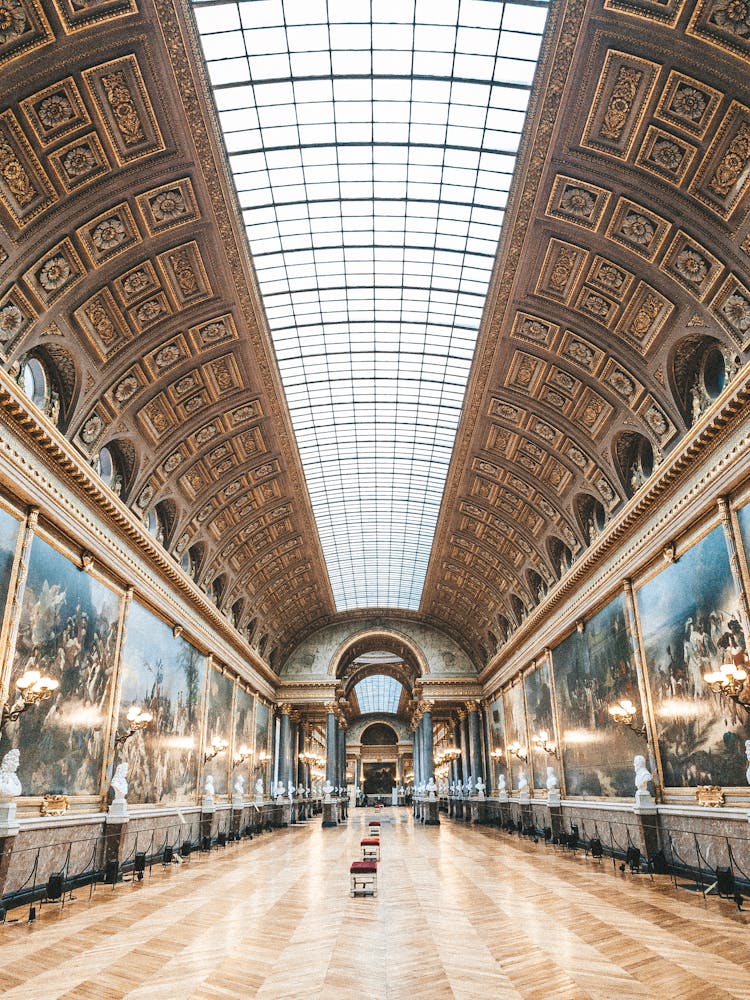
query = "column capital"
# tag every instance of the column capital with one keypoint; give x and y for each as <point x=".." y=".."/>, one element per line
<point x="425" y="705"/>
<point x="285" y="708"/>
<point x="472" y="706"/>
<point x="331" y="707"/>
<point x="461" y="713"/>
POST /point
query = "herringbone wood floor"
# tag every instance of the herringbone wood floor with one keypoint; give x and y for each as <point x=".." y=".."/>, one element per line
<point x="461" y="912"/>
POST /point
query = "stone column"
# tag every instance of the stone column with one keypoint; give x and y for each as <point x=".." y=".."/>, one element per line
<point x="457" y="742"/>
<point x="331" y="744"/>
<point x="342" y="755"/>
<point x="301" y="778"/>
<point x="476" y="750"/>
<point x="464" y="731"/>
<point x="285" y="745"/>
<point x="399" y="770"/>
<point x="429" y="749"/>
<point x="415" y="752"/>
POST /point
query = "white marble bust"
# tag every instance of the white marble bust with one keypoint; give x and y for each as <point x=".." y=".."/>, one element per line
<point x="10" y="786"/>
<point x="119" y="783"/>
<point x="501" y="784"/>
<point x="642" y="774"/>
<point x="239" y="786"/>
<point x="552" y="783"/>
<point x="208" y="787"/>
<point x="480" y="788"/>
<point x="259" y="788"/>
<point x="523" y="784"/>
<point x="431" y="787"/>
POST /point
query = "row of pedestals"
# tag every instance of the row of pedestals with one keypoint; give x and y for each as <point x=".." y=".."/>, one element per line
<point x="335" y="810"/>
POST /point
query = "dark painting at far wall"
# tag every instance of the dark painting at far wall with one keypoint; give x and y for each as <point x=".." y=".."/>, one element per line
<point x="691" y="625"/>
<point x="166" y="676"/>
<point x="538" y="687"/>
<point x="8" y="538"/>
<point x="68" y="630"/>
<point x="219" y="724"/>
<point x="593" y="670"/>
<point x="379" y="778"/>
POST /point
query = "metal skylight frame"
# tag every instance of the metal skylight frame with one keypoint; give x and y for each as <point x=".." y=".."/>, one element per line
<point x="379" y="693"/>
<point x="372" y="144"/>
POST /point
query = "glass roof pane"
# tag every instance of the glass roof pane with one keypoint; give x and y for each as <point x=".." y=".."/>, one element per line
<point x="378" y="693"/>
<point x="372" y="147"/>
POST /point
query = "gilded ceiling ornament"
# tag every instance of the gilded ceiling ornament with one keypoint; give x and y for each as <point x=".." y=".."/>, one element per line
<point x="149" y="311"/>
<point x="688" y="103"/>
<point x="534" y="330"/>
<point x="580" y="352"/>
<point x="691" y="265"/>
<point x="621" y="102"/>
<point x="183" y="272"/>
<point x="55" y="110"/>
<point x="732" y="16"/>
<point x="637" y="229"/>
<point x="78" y="161"/>
<point x="736" y="309"/>
<point x="14" y="174"/>
<point x="92" y="429"/>
<point x="100" y="320"/>
<point x="11" y="322"/>
<point x="733" y="163"/>
<point x="136" y="281"/>
<point x="110" y="233"/>
<point x="54" y="273"/>
<point x="13" y="20"/>
<point x="621" y="383"/>
<point x="126" y="389"/>
<point x="205" y="434"/>
<point x="656" y="421"/>
<point x="121" y="102"/>
<point x="577" y="201"/>
<point x="562" y="269"/>
<point x="168" y="356"/>
<point x="667" y="154"/>
<point x="194" y="404"/>
<point x="168" y="205"/>
<point x="610" y="276"/>
<point x="173" y="462"/>
<point x="644" y="319"/>
<point x="544" y="431"/>
<point x="243" y="413"/>
<point x="147" y="495"/>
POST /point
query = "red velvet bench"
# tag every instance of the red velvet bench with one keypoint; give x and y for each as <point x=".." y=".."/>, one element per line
<point x="370" y="848"/>
<point x="364" y="878"/>
<point x="374" y="827"/>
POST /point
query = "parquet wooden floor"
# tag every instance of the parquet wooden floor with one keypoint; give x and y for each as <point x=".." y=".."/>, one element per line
<point x="461" y="912"/>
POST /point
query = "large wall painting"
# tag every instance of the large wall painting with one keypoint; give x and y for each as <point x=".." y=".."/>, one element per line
<point x="515" y="731"/>
<point x="8" y="539"/>
<point x="497" y="738"/>
<point x="262" y="723"/>
<point x="166" y="676"/>
<point x="243" y="735"/>
<point x="691" y="625"/>
<point x="594" y="669"/>
<point x="68" y="630"/>
<point x="219" y="725"/>
<point x="538" y="687"/>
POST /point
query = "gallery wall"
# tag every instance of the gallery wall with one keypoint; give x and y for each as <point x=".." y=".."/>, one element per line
<point x="651" y="642"/>
<point x="108" y="652"/>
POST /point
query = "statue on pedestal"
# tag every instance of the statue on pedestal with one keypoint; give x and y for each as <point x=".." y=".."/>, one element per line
<point x="431" y="788"/>
<point x="119" y="782"/>
<point x="239" y="786"/>
<point x="10" y="786"/>
<point x="642" y="778"/>
<point x="523" y="784"/>
<point x="259" y="789"/>
<point x="480" y="788"/>
<point x="327" y="789"/>
<point x="208" y="787"/>
<point x="501" y="784"/>
<point x="552" y="783"/>
<point x="290" y="790"/>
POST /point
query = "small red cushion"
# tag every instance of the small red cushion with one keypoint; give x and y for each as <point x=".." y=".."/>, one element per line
<point x="358" y="867"/>
<point x="370" y="841"/>
<point x="374" y="822"/>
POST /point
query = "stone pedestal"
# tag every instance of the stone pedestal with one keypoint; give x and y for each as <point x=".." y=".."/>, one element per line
<point x="553" y="797"/>
<point x="114" y="837"/>
<point x="235" y="823"/>
<point x="555" y="818"/>
<point x="502" y="796"/>
<point x="207" y="818"/>
<point x="9" y="826"/>
<point x="478" y="810"/>
<point x="330" y="814"/>
<point x="430" y="814"/>
<point x="648" y="828"/>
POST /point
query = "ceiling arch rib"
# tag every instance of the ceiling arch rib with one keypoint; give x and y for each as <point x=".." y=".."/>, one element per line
<point x="372" y="147"/>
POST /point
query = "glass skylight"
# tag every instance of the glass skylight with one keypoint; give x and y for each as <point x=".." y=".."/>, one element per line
<point x="378" y="693"/>
<point x="372" y="146"/>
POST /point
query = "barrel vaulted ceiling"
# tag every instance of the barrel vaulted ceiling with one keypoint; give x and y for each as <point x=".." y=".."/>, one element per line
<point x="625" y="258"/>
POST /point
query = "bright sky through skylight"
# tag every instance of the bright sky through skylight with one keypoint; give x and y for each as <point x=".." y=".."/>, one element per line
<point x="372" y="146"/>
<point x="378" y="693"/>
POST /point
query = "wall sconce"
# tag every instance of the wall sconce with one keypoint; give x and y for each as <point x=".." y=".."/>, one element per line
<point x="32" y="688"/>
<point x="518" y="751"/>
<point x="242" y="755"/>
<point x="497" y="754"/>
<point x="542" y="742"/>
<point x="137" y="719"/>
<point x="728" y="680"/>
<point x="624" y="712"/>
<point x="264" y="757"/>
<point x="218" y="745"/>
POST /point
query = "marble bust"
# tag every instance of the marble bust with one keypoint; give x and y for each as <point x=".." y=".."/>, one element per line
<point x="480" y="788"/>
<point x="208" y="787"/>
<point x="10" y="786"/>
<point x="290" y="790"/>
<point x="523" y="784"/>
<point x="327" y="789"/>
<point x="259" y="788"/>
<point x="642" y="774"/>
<point x="239" y="786"/>
<point x="551" y="779"/>
<point x="501" y="785"/>
<point x="119" y="783"/>
<point x="431" y="788"/>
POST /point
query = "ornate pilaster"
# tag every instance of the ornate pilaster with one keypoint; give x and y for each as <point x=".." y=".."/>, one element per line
<point x="29" y="528"/>
<point x="631" y="624"/>
<point x="734" y="562"/>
